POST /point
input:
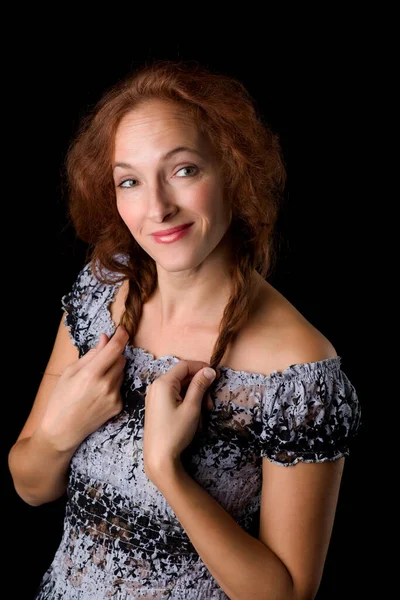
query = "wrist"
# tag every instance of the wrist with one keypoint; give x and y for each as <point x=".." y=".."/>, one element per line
<point x="48" y="444"/>
<point x="166" y="470"/>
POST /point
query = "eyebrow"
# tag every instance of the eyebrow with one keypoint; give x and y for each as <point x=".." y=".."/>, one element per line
<point x="165" y="157"/>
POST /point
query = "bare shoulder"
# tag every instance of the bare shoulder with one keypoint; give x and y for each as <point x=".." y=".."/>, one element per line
<point x="281" y="336"/>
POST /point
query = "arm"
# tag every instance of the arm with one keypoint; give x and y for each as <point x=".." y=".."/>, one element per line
<point x="75" y="397"/>
<point x="297" y="512"/>
<point x="38" y="470"/>
<point x="244" y="567"/>
<point x="298" y="505"/>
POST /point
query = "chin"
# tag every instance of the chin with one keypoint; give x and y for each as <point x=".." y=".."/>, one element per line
<point x="179" y="262"/>
<point x="176" y="266"/>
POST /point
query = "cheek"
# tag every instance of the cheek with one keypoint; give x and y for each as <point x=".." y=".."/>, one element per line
<point x="208" y="198"/>
<point x="127" y="214"/>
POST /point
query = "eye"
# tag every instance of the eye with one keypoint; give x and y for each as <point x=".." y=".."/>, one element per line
<point x="127" y="183"/>
<point x="185" y="169"/>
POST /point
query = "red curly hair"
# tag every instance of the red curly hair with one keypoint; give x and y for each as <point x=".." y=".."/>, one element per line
<point x="253" y="172"/>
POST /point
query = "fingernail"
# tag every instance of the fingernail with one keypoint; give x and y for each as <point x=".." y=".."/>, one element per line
<point x="209" y="373"/>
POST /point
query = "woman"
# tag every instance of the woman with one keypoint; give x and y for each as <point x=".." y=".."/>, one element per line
<point x="180" y="486"/>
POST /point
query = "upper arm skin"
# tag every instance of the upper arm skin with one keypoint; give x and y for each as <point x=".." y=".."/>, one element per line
<point x="63" y="354"/>
<point x="298" y="505"/>
<point x="298" y="502"/>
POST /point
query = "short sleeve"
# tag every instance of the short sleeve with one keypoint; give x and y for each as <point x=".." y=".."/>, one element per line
<point x="76" y="304"/>
<point x="310" y="413"/>
<point x="84" y="306"/>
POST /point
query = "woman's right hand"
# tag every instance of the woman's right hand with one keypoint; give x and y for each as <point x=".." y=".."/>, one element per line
<point x="86" y="395"/>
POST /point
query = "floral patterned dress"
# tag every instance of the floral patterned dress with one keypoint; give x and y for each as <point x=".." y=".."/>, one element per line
<point x="121" y="539"/>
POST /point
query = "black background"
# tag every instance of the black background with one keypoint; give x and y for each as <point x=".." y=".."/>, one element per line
<point x="322" y="251"/>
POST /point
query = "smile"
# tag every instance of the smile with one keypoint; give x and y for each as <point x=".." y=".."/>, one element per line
<point x="172" y="237"/>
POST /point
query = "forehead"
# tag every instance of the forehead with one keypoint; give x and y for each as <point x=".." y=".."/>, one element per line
<point x="157" y="122"/>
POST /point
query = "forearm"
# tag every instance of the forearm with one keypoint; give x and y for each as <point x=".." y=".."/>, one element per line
<point x="39" y="472"/>
<point x="244" y="567"/>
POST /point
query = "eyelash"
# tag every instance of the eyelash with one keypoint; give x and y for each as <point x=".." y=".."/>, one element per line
<point x="185" y="167"/>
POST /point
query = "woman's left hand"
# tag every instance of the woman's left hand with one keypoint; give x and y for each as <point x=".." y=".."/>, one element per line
<point x="171" y="421"/>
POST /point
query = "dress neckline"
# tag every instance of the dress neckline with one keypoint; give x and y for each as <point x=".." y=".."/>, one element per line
<point x="331" y="363"/>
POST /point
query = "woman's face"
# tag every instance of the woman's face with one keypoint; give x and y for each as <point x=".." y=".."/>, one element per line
<point x="166" y="174"/>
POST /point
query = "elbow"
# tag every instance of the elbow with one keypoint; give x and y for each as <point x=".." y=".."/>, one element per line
<point x="295" y="590"/>
<point x="38" y="498"/>
<point x="31" y="501"/>
<point x="23" y="491"/>
<point x="30" y="498"/>
<point x="33" y="488"/>
<point x="304" y="594"/>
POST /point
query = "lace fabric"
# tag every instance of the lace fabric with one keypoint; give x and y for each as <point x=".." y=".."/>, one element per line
<point x="121" y="537"/>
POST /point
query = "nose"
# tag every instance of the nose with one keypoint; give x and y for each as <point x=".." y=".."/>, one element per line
<point x="160" y="202"/>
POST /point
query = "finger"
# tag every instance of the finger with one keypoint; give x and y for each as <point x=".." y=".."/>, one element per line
<point x="185" y="370"/>
<point x="198" y="388"/>
<point x="116" y="373"/>
<point x="101" y="343"/>
<point x="202" y="365"/>
<point x="108" y="355"/>
<point x="200" y="425"/>
<point x="209" y="402"/>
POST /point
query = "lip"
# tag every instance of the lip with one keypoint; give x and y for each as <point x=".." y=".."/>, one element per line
<point x="165" y="232"/>
<point x="172" y="237"/>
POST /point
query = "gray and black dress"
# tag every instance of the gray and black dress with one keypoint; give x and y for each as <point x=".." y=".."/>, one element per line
<point x="121" y="540"/>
